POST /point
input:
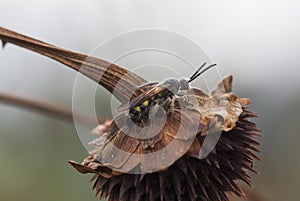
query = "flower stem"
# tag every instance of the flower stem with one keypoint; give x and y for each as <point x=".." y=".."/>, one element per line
<point x="43" y="107"/>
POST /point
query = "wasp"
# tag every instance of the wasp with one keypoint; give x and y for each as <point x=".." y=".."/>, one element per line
<point x="158" y="97"/>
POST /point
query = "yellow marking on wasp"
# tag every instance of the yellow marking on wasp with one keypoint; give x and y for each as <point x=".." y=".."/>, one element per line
<point x="146" y="103"/>
<point x="137" y="108"/>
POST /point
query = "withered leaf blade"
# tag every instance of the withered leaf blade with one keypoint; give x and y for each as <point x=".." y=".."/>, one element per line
<point x="127" y="147"/>
<point x="115" y="79"/>
<point x="83" y="168"/>
<point x="225" y="86"/>
<point x="90" y="165"/>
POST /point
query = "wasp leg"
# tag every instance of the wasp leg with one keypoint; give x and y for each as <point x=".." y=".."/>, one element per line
<point x="172" y="106"/>
<point x="157" y="111"/>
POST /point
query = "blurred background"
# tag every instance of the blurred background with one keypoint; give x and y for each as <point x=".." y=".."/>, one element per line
<point x="256" y="41"/>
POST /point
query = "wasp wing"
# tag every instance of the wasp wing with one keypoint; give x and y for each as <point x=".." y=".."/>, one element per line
<point x="140" y="92"/>
<point x="148" y="91"/>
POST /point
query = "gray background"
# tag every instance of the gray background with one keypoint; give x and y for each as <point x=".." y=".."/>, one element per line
<point x="256" y="41"/>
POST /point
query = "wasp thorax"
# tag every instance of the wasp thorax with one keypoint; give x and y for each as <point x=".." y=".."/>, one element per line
<point x="176" y="85"/>
<point x="162" y="97"/>
<point x="172" y="85"/>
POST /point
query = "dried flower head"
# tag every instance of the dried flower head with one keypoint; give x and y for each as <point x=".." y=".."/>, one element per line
<point x="190" y="177"/>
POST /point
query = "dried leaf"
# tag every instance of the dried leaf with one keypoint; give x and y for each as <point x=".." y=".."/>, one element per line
<point x="115" y="79"/>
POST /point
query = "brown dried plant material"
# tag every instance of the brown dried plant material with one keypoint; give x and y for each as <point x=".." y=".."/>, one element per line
<point x="187" y="178"/>
<point x="43" y="106"/>
<point x="105" y="73"/>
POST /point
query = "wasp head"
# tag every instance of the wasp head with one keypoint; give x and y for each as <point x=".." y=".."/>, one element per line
<point x="184" y="85"/>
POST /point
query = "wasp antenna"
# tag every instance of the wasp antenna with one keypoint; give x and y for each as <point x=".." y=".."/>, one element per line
<point x="198" y="70"/>
<point x="201" y="72"/>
